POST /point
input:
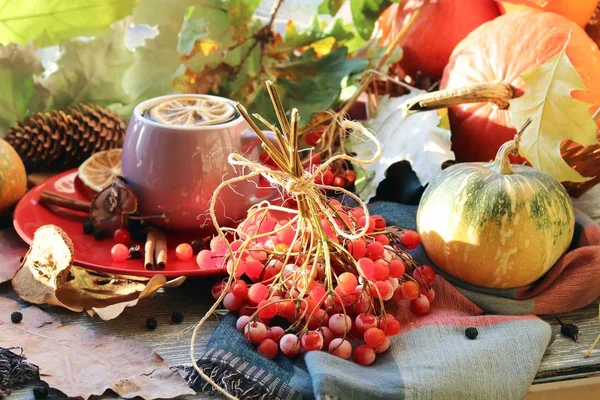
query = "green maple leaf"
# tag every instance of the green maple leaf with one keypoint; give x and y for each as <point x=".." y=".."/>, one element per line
<point x="22" y="92"/>
<point x="191" y="30"/>
<point x="47" y="22"/>
<point x="555" y="115"/>
<point x="92" y="71"/>
<point x="366" y="12"/>
<point x="330" y="7"/>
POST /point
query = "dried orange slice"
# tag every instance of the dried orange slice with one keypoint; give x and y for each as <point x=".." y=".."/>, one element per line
<point x="98" y="171"/>
<point x="190" y="112"/>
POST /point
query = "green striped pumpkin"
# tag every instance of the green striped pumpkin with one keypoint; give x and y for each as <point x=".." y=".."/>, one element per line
<point x="495" y="225"/>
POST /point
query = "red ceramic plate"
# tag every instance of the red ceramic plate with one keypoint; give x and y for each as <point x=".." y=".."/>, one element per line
<point x="89" y="252"/>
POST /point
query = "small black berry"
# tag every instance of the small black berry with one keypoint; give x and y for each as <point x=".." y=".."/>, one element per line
<point x="177" y="317"/>
<point x="99" y="234"/>
<point x="569" y="330"/>
<point x="151" y="324"/>
<point x="471" y="332"/>
<point x="88" y="227"/>
<point x="21" y="260"/>
<point x="16" y="317"/>
<point x="135" y="252"/>
<point x="40" y="392"/>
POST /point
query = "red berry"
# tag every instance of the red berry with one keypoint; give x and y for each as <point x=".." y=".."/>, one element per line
<point x="375" y="249"/>
<point x="257" y="292"/>
<point x="374" y="337"/>
<point x="365" y="321"/>
<point x="242" y="322"/>
<point x="122" y="236"/>
<point x="327" y="335"/>
<point x="268" y="348"/>
<point x="347" y="281"/>
<point x="384" y="240"/>
<point x="239" y="289"/>
<point x="232" y="303"/>
<point x="184" y="251"/>
<point x="339" y="181"/>
<point x="340" y="348"/>
<point x="317" y="293"/>
<point x="255" y="332"/>
<point x="389" y="325"/>
<point x="340" y="323"/>
<point x="381" y="270"/>
<point x="311" y="341"/>
<point x="384" y="346"/>
<point x="420" y="305"/>
<point x="119" y="252"/>
<point x="275" y="333"/>
<point x="364" y="355"/>
<point x="410" y="239"/>
<point x="328" y="177"/>
<point x="358" y="248"/>
<point x="253" y="269"/>
<point x="379" y="221"/>
<point x="312" y="138"/>
<point x="384" y="290"/>
<point x="318" y="318"/>
<point x="267" y="308"/>
<point x="428" y="273"/>
<point x="410" y="290"/>
<point x="289" y="345"/>
<point x="397" y="268"/>
<point x="286" y="309"/>
<point x="429" y="293"/>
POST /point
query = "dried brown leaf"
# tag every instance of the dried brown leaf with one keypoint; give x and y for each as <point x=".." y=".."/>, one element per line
<point x="105" y="294"/>
<point x="81" y="363"/>
<point x="12" y="248"/>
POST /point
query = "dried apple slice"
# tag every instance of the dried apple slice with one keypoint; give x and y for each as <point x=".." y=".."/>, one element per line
<point x="45" y="266"/>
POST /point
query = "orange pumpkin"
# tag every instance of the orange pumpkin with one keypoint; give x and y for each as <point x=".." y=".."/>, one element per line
<point x="578" y="11"/>
<point x="500" y="51"/>
<point x="13" y="179"/>
<point x="441" y="24"/>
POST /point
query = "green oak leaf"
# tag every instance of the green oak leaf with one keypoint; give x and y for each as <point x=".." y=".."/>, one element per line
<point x="317" y="30"/>
<point x="47" y="22"/>
<point x="365" y="14"/>
<point x="191" y="30"/>
<point x="22" y="92"/>
<point x="92" y="71"/>
<point x="330" y="7"/>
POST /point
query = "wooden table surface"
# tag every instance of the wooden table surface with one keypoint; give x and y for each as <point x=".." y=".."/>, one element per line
<point x="564" y="359"/>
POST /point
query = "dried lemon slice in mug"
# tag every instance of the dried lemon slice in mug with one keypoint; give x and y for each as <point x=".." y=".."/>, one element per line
<point x="190" y="112"/>
<point x="98" y="171"/>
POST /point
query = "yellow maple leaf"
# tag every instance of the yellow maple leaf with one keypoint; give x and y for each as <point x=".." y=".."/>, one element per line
<point x="555" y="116"/>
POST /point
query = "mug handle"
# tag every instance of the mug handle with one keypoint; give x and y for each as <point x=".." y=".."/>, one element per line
<point x="251" y="141"/>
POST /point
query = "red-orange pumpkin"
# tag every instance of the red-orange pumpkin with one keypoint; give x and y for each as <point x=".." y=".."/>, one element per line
<point x="438" y="28"/>
<point x="13" y="179"/>
<point x="578" y="11"/>
<point x="501" y="50"/>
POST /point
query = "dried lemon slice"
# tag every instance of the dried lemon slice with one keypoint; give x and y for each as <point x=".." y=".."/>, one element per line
<point x="190" y="112"/>
<point x="98" y="171"/>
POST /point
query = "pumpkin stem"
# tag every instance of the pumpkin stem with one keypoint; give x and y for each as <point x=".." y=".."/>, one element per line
<point x="501" y="164"/>
<point x="497" y="93"/>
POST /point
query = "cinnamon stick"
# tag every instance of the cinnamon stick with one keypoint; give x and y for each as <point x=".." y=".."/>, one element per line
<point x="55" y="199"/>
<point x="161" y="250"/>
<point x="149" y="249"/>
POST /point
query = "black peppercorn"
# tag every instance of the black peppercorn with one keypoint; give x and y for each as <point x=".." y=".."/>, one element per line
<point x="40" y="392"/>
<point x="135" y="252"/>
<point x="569" y="330"/>
<point x="88" y="227"/>
<point x="471" y="332"/>
<point x="16" y="317"/>
<point x="177" y="317"/>
<point x="200" y="244"/>
<point x="151" y="324"/>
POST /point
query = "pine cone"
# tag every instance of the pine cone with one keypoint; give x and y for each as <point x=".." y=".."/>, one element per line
<point x="63" y="139"/>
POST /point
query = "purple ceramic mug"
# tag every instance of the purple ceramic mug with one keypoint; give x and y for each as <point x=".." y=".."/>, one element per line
<point x="176" y="169"/>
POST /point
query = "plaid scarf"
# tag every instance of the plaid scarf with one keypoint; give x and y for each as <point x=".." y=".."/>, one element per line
<point x="431" y="358"/>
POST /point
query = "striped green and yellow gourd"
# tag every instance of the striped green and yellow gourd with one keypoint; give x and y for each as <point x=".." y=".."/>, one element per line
<point x="495" y="225"/>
